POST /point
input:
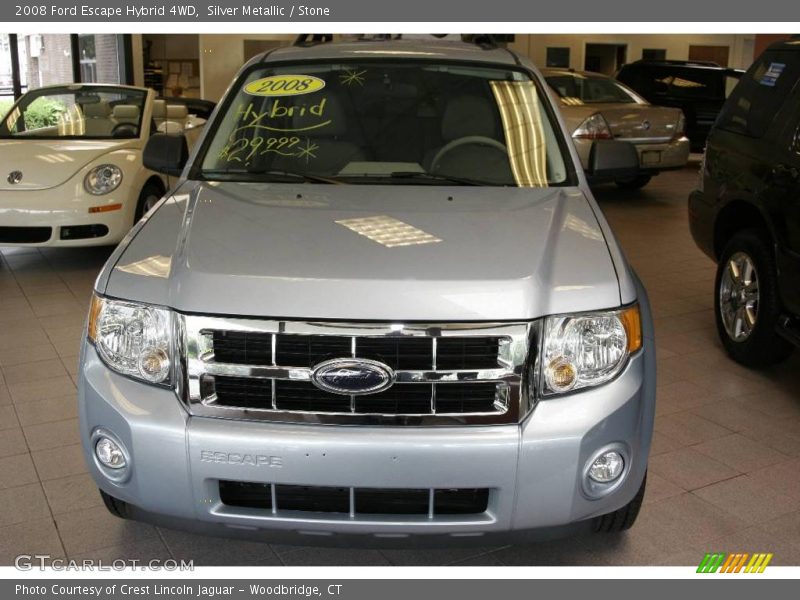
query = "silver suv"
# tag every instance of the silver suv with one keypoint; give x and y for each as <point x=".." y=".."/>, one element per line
<point x="381" y="302"/>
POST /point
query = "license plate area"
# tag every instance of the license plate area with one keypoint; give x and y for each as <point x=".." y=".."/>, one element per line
<point x="651" y="157"/>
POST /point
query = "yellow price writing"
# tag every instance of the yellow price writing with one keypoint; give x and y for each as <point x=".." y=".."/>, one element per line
<point x="243" y="149"/>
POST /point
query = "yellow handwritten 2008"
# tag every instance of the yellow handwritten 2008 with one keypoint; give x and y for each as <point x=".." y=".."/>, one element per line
<point x="285" y="85"/>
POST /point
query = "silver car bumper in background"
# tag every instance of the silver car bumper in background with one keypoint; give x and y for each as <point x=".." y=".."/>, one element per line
<point x="316" y="479"/>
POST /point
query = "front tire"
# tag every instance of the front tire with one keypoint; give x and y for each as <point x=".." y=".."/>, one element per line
<point x="115" y="506"/>
<point x="622" y="518"/>
<point x="150" y="194"/>
<point x="746" y="302"/>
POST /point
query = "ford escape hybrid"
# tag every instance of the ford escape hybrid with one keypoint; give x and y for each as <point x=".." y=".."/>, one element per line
<point x="380" y="302"/>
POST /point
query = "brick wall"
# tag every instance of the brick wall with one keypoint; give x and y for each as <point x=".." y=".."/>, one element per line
<point x="54" y="63"/>
<point x="107" y="59"/>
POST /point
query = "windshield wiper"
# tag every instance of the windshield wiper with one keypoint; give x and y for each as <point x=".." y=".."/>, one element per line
<point x="308" y="177"/>
<point x="271" y="175"/>
<point x="435" y="177"/>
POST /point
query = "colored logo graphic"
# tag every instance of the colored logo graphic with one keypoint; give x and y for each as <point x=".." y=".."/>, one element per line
<point x="740" y="562"/>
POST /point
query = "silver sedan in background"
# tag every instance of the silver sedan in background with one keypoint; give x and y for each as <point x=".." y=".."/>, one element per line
<point x="596" y="107"/>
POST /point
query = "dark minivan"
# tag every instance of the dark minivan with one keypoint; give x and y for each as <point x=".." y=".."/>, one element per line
<point x="697" y="88"/>
<point x="746" y="213"/>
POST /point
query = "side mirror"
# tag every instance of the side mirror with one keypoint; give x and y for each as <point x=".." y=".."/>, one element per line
<point x="610" y="160"/>
<point x="166" y="153"/>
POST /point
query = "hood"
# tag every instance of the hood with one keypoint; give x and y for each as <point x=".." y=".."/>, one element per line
<point x="421" y="253"/>
<point x="49" y="163"/>
<point x="627" y="120"/>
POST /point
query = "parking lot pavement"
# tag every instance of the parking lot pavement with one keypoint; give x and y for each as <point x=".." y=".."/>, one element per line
<point x="723" y="473"/>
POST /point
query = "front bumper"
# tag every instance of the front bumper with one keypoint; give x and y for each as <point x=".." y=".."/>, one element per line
<point x="653" y="157"/>
<point x="534" y="469"/>
<point x="64" y="207"/>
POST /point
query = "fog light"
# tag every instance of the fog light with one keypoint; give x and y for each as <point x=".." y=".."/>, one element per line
<point x="109" y="453"/>
<point x="607" y="467"/>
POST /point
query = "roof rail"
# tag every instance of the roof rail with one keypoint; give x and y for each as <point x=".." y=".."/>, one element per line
<point x="312" y="39"/>
<point x="672" y="61"/>
<point x="486" y="41"/>
<point x="378" y="37"/>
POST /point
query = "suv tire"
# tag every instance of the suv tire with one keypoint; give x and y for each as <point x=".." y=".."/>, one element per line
<point x="116" y="507"/>
<point x="622" y="518"/>
<point x="746" y="301"/>
<point x="636" y="183"/>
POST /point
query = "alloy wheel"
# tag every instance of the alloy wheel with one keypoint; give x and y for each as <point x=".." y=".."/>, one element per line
<point x="150" y="202"/>
<point x="739" y="296"/>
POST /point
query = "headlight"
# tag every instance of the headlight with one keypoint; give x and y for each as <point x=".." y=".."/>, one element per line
<point x="584" y="350"/>
<point x="133" y="339"/>
<point x="103" y="179"/>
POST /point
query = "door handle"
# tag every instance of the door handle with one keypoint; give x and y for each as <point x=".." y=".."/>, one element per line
<point x="783" y="171"/>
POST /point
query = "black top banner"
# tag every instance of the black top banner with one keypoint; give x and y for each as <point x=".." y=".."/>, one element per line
<point x="436" y="11"/>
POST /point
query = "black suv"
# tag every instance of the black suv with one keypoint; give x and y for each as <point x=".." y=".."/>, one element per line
<point x="746" y="214"/>
<point x="697" y="88"/>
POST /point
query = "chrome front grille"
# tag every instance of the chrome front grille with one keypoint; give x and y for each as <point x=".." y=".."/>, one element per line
<point x="443" y="373"/>
<point x="399" y="353"/>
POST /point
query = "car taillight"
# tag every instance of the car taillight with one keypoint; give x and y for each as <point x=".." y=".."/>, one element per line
<point x="680" y="127"/>
<point x="593" y="128"/>
<point x="701" y="175"/>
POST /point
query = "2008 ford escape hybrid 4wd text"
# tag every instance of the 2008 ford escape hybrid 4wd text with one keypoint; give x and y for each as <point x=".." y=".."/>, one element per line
<point x="381" y="302"/>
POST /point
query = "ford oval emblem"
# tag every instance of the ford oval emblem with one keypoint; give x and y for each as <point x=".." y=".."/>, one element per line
<point x="14" y="177"/>
<point x="352" y="376"/>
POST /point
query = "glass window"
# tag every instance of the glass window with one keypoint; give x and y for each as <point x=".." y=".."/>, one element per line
<point x="654" y="54"/>
<point x="6" y="75"/>
<point x="576" y="88"/>
<point x="558" y="58"/>
<point x="99" y="58"/>
<point x="387" y="123"/>
<point x="760" y="94"/>
<point x="44" y="59"/>
<point x="76" y="112"/>
<point x="692" y="83"/>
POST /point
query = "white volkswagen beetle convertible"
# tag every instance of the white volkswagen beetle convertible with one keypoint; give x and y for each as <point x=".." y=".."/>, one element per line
<point x="71" y="170"/>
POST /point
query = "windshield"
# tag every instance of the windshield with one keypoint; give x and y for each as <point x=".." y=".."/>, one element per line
<point x="575" y="89"/>
<point x="386" y="123"/>
<point x="76" y="112"/>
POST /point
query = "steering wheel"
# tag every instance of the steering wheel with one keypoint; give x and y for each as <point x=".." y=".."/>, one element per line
<point x="124" y="130"/>
<point x="478" y="140"/>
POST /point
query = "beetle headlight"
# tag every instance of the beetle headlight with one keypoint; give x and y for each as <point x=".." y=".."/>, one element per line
<point x="133" y="339"/>
<point x="103" y="179"/>
<point x="584" y="350"/>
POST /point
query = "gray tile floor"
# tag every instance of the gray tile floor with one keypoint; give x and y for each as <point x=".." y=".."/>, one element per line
<point x="723" y="475"/>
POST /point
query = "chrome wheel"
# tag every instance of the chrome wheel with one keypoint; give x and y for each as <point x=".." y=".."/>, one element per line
<point x="738" y="297"/>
